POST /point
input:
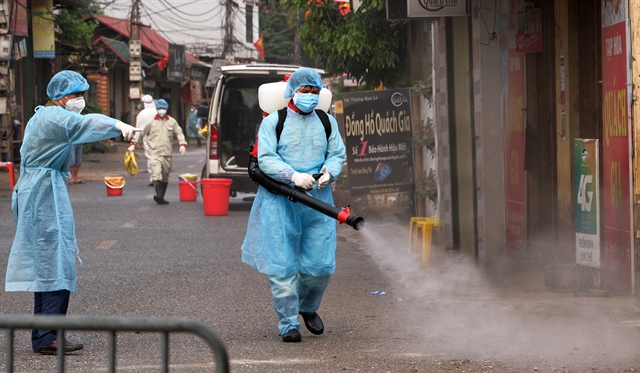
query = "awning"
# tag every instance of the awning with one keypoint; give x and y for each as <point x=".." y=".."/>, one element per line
<point x="119" y="48"/>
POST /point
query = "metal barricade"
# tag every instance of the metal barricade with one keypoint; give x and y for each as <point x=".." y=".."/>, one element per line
<point x="113" y="325"/>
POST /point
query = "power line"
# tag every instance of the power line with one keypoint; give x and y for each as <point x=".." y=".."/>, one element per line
<point x="183" y="20"/>
<point x="153" y="22"/>
<point x="172" y="7"/>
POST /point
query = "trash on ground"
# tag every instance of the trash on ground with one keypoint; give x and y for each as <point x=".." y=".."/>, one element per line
<point x="379" y="292"/>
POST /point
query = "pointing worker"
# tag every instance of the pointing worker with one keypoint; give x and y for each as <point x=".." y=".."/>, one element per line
<point x="291" y="243"/>
<point x="160" y="132"/>
<point x="44" y="250"/>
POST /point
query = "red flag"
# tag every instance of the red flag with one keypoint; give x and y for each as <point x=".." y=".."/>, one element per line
<point x="259" y="47"/>
<point x="162" y="64"/>
<point x="185" y="92"/>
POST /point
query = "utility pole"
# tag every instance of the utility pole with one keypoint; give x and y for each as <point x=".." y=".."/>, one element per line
<point x="228" y="31"/>
<point x="135" y="66"/>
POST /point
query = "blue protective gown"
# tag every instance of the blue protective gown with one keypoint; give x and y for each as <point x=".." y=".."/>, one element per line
<point x="44" y="249"/>
<point x="284" y="238"/>
<point x="192" y="125"/>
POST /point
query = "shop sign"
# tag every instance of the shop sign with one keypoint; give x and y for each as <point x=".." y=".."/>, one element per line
<point x="19" y="20"/>
<point x="515" y="182"/>
<point x="587" y="202"/>
<point x="405" y="9"/>
<point x="44" y="45"/>
<point x="379" y="137"/>
<point x="177" y="59"/>
<point x="529" y="37"/>
<point x="617" y="253"/>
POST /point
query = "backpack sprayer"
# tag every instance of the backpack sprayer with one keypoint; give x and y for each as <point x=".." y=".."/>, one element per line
<point x="271" y="98"/>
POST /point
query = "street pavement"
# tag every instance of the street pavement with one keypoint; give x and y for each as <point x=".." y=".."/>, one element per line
<point x="146" y="260"/>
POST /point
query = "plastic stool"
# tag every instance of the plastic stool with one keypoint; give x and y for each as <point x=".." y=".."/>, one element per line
<point x="427" y="224"/>
<point x="9" y="166"/>
<point x="414" y="220"/>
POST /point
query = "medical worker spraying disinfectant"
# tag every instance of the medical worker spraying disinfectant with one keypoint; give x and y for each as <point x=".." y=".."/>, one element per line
<point x="293" y="244"/>
<point x="44" y="250"/>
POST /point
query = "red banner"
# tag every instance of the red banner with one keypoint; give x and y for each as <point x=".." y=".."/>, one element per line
<point x="515" y="182"/>
<point x="616" y="194"/>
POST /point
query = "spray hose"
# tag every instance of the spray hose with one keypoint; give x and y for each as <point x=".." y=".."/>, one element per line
<point x="343" y="215"/>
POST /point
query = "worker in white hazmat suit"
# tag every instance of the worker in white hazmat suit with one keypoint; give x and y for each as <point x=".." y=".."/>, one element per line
<point x="291" y="243"/>
<point x="144" y="116"/>
<point x="160" y="131"/>
<point x="44" y="250"/>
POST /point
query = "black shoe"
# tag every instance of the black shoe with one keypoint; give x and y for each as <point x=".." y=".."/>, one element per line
<point x="292" y="335"/>
<point x="52" y="348"/>
<point x="151" y="184"/>
<point x="161" y="201"/>
<point x="313" y="322"/>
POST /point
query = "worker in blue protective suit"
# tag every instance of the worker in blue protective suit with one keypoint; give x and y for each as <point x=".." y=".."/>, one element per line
<point x="44" y="250"/>
<point x="290" y="242"/>
<point x="193" y="125"/>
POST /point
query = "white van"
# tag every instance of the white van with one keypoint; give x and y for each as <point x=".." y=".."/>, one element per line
<point x="234" y="117"/>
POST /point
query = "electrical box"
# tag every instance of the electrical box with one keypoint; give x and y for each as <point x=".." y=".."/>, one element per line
<point x="4" y="67"/>
<point x="5" y="83"/>
<point x="5" y="13"/>
<point x="135" y="49"/>
<point x="135" y="71"/>
<point x="134" y="91"/>
<point x="3" y="106"/>
<point x="6" y="43"/>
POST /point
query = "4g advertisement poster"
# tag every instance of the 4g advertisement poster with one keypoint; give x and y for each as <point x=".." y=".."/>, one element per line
<point x="587" y="202"/>
<point x="379" y="138"/>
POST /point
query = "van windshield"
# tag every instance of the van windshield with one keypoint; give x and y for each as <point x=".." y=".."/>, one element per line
<point x="240" y="117"/>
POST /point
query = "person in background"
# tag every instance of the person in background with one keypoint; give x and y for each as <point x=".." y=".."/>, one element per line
<point x="44" y="250"/>
<point x="160" y="131"/>
<point x="146" y="115"/>
<point x="193" y="125"/>
<point x="294" y="245"/>
<point x="75" y="163"/>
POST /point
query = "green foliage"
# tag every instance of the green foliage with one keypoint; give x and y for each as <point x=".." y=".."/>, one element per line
<point x="278" y="26"/>
<point x="91" y="108"/>
<point x="277" y="34"/>
<point x="363" y="44"/>
<point x="426" y="137"/>
<point x="427" y="187"/>
<point x="421" y="88"/>
<point x="75" y="32"/>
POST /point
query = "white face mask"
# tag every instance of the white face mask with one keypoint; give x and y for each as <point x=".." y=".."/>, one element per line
<point x="75" y="104"/>
<point x="162" y="112"/>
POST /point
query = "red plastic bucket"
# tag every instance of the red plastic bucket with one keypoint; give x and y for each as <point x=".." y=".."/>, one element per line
<point x="114" y="191"/>
<point x="215" y="194"/>
<point x="188" y="190"/>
